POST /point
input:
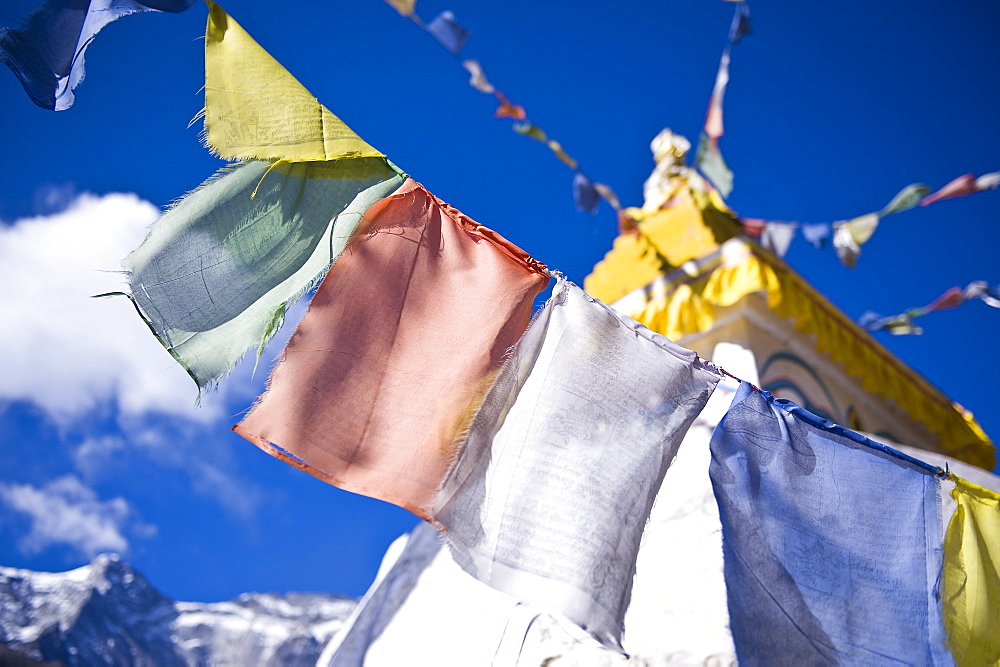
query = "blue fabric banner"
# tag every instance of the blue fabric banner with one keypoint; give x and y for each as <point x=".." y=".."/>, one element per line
<point x="831" y="542"/>
<point x="46" y="52"/>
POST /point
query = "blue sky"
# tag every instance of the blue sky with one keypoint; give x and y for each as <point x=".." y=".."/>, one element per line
<point x="831" y="109"/>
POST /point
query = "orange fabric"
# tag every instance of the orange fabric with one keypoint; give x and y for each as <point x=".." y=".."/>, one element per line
<point x="400" y="343"/>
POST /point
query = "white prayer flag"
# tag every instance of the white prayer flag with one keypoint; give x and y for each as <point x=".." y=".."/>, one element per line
<point x="549" y="495"/>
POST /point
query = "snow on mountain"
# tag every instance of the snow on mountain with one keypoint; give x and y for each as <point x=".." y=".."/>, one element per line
<point x="107" y="613"/>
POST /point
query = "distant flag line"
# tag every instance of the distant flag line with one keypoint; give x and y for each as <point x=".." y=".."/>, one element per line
<point x="709" y="158"/>
<point x="849" y="235"/>
<point x="452" y="36"/>
<point x="902" y="324"/>
<point x="419" y="376"/>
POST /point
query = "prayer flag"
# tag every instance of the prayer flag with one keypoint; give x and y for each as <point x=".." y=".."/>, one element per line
<point x="753" y="226"/>
<point x="960" y="187"/>
<point x="218" y="270"/>
<point x="550" y="492"/>
<point x="401" y="340"/>
<point x="953" y="298"/>
<point x="850" y="235"/>
<point x="563" y="156"/>
<point x="404" y="7"/>
<point x="897" y="325"/>
<point x="584" y="194"/>
<point x="905" y="199"/>
<point x="255" y="109"/>
<point x="448" y="33"/>
<point x="740" y="27"/>
<point x="608" y="195"/>
<point x="975" y="289"/>
<point x="714" y="127"/>
<point x="714" y="166"/>
<point x="971" y="575"/>
<point x="777" y="237"/>
<point x="991" y="297"/>
<point x="47" y="51"/>
<point x="477" y="77"/>
<point x="831" y="542"/>
<point x="508" y="110"/>
<point x="988" y="181"/>
<point x="816" y="234"/>
<point x="531" y="130"/>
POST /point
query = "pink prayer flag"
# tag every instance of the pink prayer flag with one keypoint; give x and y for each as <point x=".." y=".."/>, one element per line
<point x="953" y="298"/>
<point x="507" y="109"/>
<point x="714" y="127"/>
<point x="962" y="186"/>
<point x="397" y="350"/>
<point x="753" y="226"/>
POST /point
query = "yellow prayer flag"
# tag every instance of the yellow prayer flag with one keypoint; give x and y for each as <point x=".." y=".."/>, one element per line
<point x="255" y="109"/>
<point x="971" y="575"/>
<point x="862" y="228"/>
<point x="557" y="148"/>
<point x="404" y="7"/>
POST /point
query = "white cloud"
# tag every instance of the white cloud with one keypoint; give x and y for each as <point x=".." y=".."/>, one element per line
<point x="65" y="511"/>
<point x="70" y="353"/>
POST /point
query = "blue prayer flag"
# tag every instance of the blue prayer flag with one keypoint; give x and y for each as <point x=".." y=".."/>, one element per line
<point x="585" y="194"/>
<point x="816" y="234"/>
<point x="46" y="52"/>
<point x="740" y="27"/>
<point x="831" y="542"/>
<point x="447" y="31"/>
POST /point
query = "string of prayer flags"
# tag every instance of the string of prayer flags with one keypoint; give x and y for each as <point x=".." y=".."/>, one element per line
<point x="831" y="542"/>
<point x="971" y="575"/>
<point x="400" y="342"/>
<point x="47" y="51"/>
<point x="850" y="235"/>
<point x="448" y="32"/>
<point x="905" y="199"/>
<point x="217" y="271"/>
<point x="552" y="486"/>
<point x="953" y="297"/>
<point x="964" y="185"/>
<point x="452" y="36"/>
<point x="897" y="325"/>
<point x="708" y="157"/>
<point x="255" y="109"/>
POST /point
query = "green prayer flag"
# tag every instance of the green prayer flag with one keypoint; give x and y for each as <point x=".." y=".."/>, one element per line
<point x="905" y="199"/>
<point x="711" y="163"/>
<point x="218" y="270"/>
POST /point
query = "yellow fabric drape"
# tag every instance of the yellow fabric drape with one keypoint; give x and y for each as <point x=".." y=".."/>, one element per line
<point x="971" y="575"/>
<point x="255" y="109"/>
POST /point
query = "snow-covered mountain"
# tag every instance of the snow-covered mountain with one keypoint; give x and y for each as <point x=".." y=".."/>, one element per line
<point x="106" y="613"/>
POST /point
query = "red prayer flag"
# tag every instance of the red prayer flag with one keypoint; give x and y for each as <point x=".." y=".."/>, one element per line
<point x="399" y="345"/>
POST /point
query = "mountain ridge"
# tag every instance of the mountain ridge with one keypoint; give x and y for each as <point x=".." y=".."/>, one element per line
<point x="108" y="613"/>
